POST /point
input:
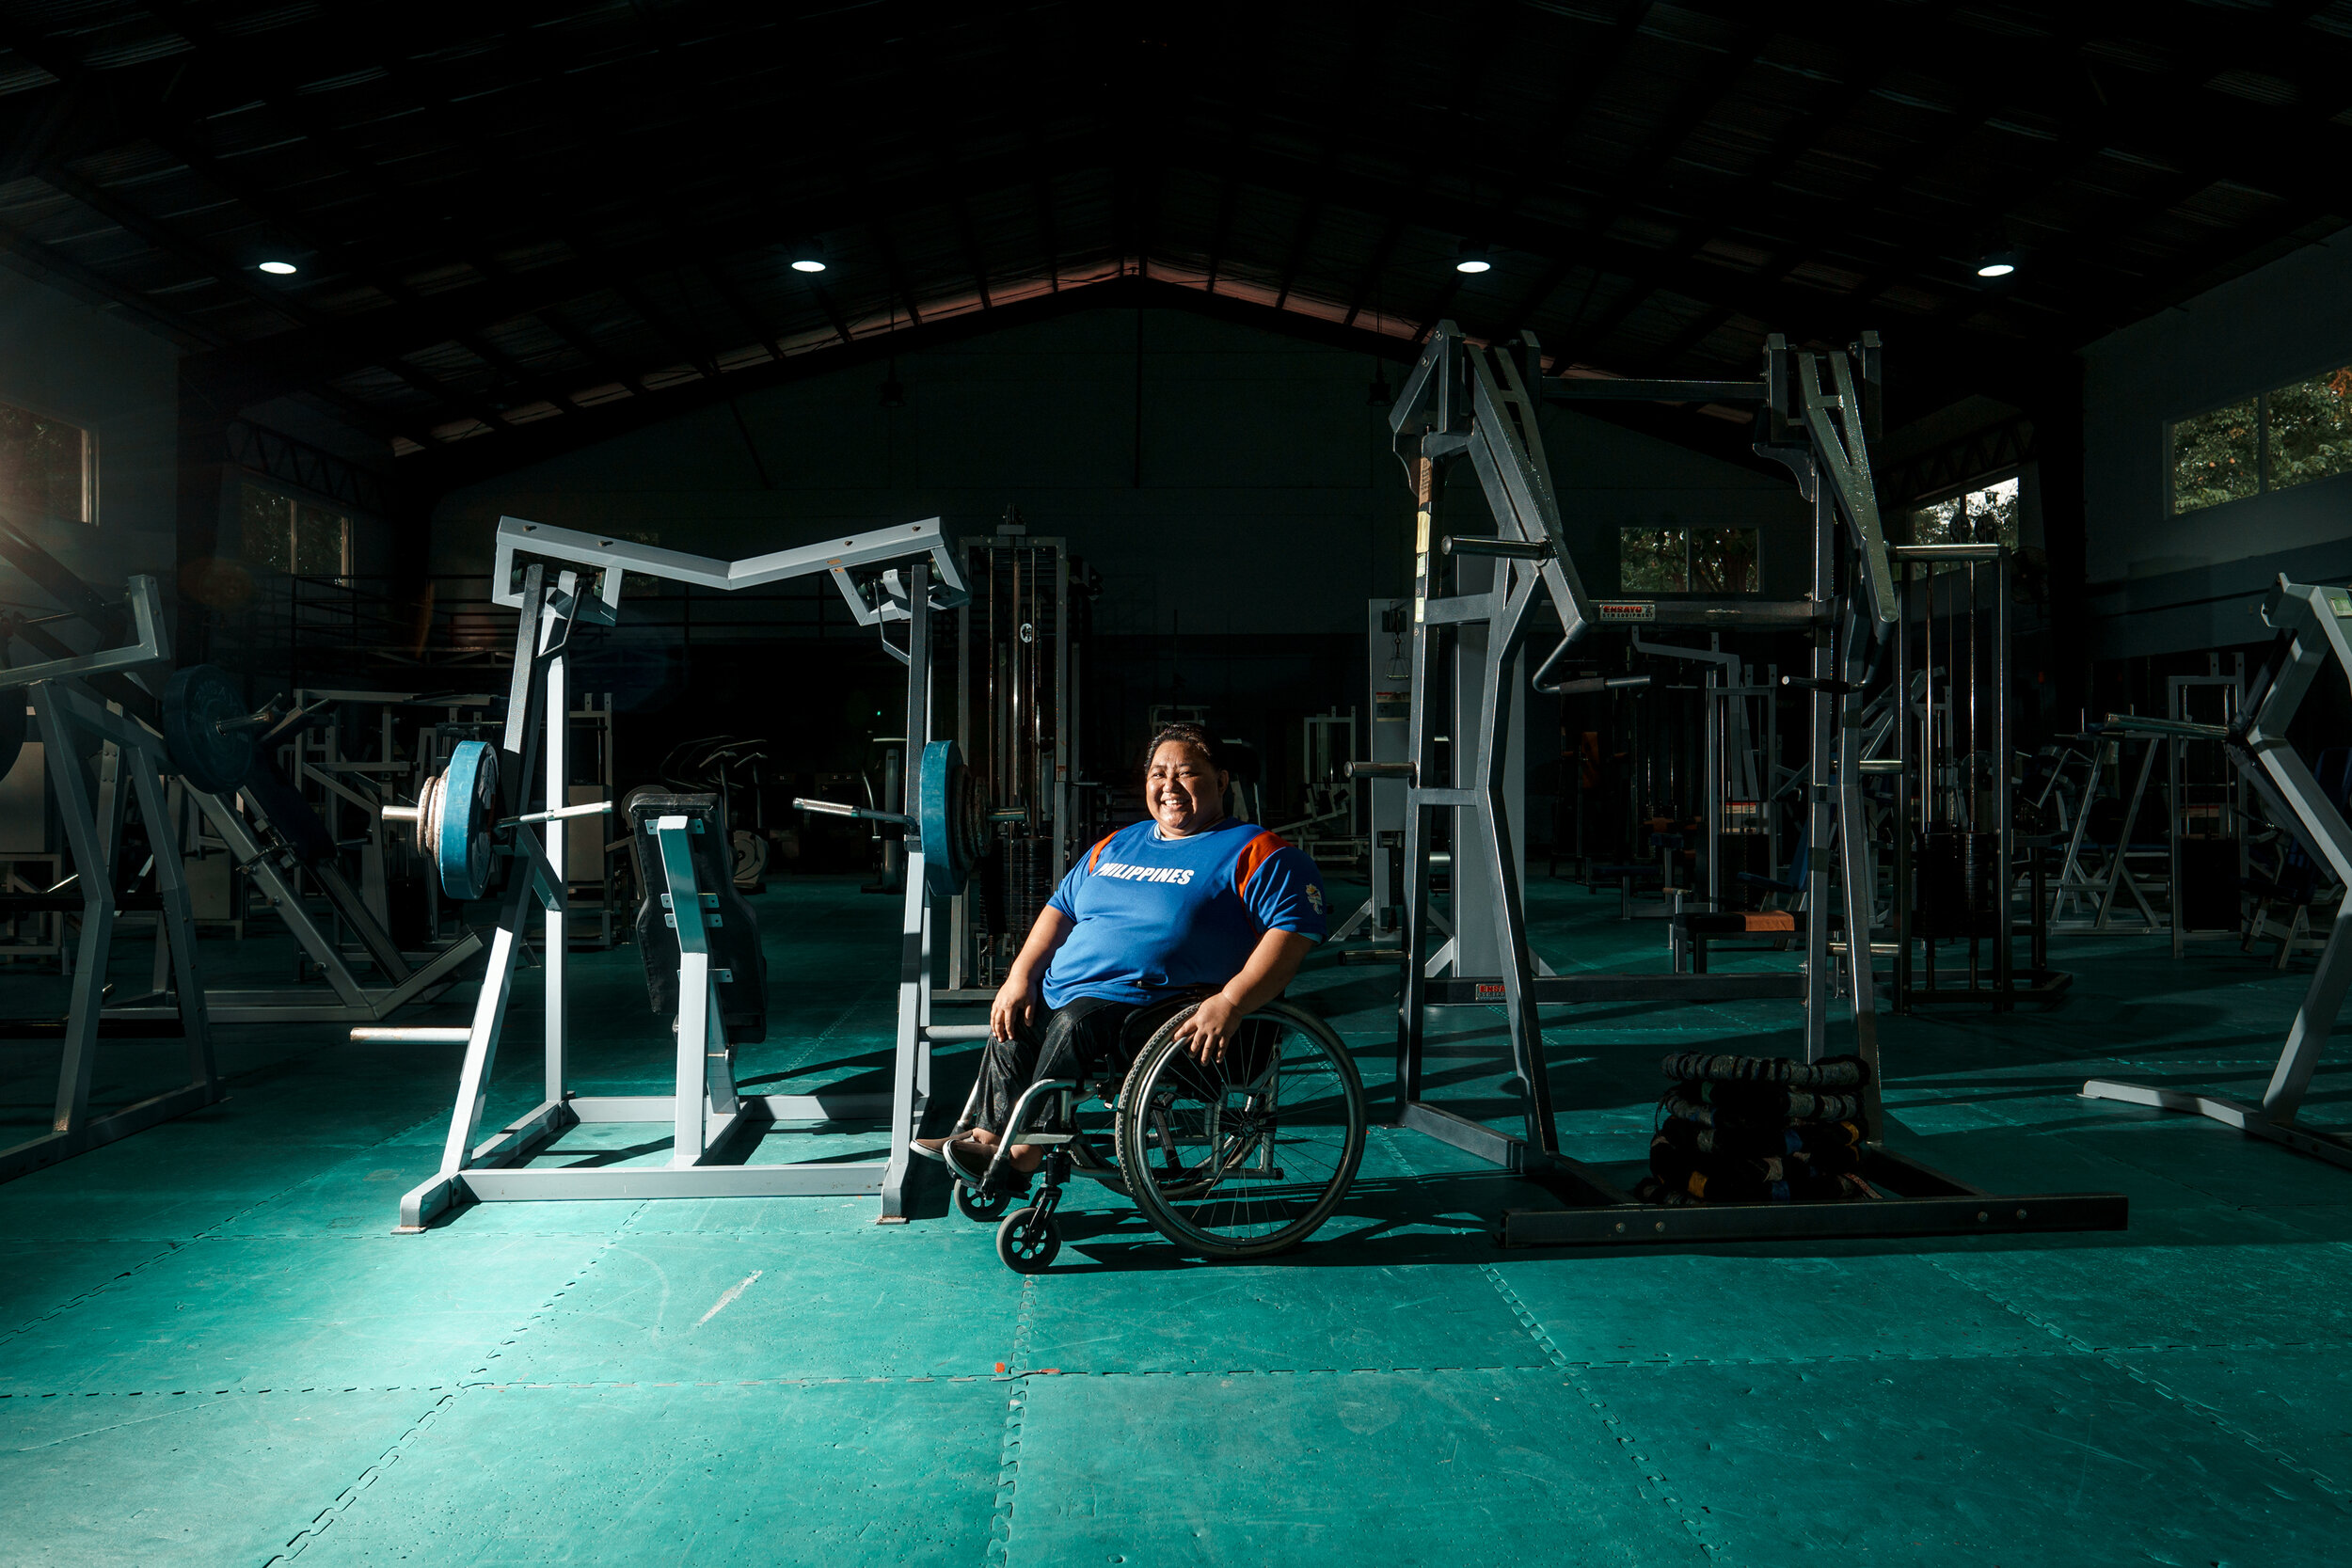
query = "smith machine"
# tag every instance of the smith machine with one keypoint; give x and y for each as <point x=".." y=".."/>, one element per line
<point x="2310" y="623"/>
<point x="1813" y="409"/>
<point x="702" y="948"/>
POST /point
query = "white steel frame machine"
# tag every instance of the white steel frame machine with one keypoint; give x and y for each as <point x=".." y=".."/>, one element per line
<point x="559" y="578"/>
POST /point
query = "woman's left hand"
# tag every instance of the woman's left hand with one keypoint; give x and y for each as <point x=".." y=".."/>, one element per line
<point x="1211" y="1028"/>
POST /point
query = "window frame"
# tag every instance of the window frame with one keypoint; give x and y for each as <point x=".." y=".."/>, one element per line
<point x="296" y="496"/>
<point x="2261" y="438"/>
<point x="1689" y="545"/>
<point x="1992" y="477"/>
<point x="89" y="454"/>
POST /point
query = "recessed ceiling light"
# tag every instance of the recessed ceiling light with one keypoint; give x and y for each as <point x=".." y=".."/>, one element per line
<point x="1999" y="264"/>
<point x="1473" y="258"/>
<point x="279" y="269"/>
<point x="808" y="263"/>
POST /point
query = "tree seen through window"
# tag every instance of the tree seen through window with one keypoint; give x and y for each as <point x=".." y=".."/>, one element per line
<point x="2289" y="436"/>
<point x="279" y="534"/>
<point x="1687" y="560"/>
<point x="47" y="472"/>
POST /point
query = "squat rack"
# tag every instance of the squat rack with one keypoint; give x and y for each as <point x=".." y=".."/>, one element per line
<point x="560" y="580"/>
<point x="1813" y="413"/>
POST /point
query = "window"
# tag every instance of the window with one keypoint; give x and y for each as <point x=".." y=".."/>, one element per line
<point x="1985" y="515"/>
<point x="1687" y="560"/>
<point x="48" y="469"/>
<point x="282" y="534"/>
<point x="1654" y="560"/>
<point x="2289" y="436"/>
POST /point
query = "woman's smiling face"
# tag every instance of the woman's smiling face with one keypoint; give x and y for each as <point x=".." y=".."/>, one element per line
<point x="1183" y="792"/>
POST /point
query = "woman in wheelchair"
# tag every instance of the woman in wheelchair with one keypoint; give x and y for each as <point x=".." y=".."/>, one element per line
<point x="1188" y="906"/>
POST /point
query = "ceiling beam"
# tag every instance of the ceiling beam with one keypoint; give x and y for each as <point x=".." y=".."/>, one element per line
<point x="456" y="465"/>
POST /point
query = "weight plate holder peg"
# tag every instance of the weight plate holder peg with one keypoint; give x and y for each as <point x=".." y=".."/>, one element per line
<point x="955" y="829"/>
<point x="949" y="819"/>
<point x="454" y="814"/>
<point x="207" y="730"/>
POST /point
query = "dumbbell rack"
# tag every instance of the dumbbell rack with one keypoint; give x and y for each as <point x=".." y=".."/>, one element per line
<point x="568" y="579"/>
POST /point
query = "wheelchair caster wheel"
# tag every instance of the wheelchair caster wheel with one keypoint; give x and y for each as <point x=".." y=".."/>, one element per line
<point x="1027" y="1241"/>
<point x="981" y="1206"/>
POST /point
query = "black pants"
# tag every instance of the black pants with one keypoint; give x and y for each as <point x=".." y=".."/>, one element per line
<point x="1086" y="1035"/>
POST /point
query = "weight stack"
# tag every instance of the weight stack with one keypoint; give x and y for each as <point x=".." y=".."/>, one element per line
<point x="1955" y="887"/>
<point x="2207" y="898"/>
<point x="1743" y="852"/>
<point x="1025" y="884"/>
<point x="1757" y="1130"/>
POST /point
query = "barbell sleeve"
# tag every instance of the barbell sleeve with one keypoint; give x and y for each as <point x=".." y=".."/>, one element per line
<point x="838" y="808"/>
<point x="2188" y="730"/>
<point x="1404" y="770"/>
<point x="587" y="808"/>
<point x="1513" y="550"/>
<point x="1593" y="685"/>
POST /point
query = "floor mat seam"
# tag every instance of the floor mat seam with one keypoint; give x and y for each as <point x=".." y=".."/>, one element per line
<point x="211" y="1232"/>
<point x="326" y="1517"/>
<point x="1573" y="1374"/>
<point x="531" y="1319"/>
<point x="2111" y="1358"/>
<point x="1008" y="1452"/>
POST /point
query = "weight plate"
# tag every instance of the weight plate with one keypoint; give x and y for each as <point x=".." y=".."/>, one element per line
<point x="948" y="817"/>
<point x="195" y="701"/>
<point x="461" y="818"/>
<point x="12" y="722"/>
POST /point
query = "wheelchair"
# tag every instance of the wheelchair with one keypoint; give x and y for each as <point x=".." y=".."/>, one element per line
<point x="1244" y="1158"/>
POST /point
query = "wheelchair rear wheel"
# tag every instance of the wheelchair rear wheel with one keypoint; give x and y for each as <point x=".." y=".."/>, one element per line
<point x="1246" y="1157"/>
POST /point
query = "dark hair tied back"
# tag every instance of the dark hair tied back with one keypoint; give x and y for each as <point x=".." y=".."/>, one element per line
<point x="1187" y="735"/>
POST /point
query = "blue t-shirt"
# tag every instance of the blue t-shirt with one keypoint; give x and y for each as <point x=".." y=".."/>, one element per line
<point x="1156" y="914"/>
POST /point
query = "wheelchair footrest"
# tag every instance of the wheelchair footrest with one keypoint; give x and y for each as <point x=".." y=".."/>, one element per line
<point x="1040" y="1139"/>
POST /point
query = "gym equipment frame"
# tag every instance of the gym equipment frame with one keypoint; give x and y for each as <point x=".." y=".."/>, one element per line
<point x="558" y="578"/>
<point x="1961" y="686"/>
<point x="2310" y="622"/>
<point x="72" y="721"/>
<point x="1813" y="410"/>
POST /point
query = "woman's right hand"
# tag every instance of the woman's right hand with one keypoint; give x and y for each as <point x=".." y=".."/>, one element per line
<point x="1017" y="1001"/>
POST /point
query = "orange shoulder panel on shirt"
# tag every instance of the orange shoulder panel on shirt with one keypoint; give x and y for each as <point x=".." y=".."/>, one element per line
<point x="1096" y="853"/>
<point x="1254" y="854"/>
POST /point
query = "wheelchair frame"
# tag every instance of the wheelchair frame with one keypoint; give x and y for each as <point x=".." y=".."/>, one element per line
<point x="1072" y="1153"/>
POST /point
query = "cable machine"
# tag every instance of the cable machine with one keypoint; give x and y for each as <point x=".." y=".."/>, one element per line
<point x="1473" y="400"/>
<point x="1954" y="828"/>
<point x="1020" y="654"/>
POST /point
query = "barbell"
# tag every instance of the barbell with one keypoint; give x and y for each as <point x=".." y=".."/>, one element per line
<point x="456" y="819"/>
<point x="949" y="818"/>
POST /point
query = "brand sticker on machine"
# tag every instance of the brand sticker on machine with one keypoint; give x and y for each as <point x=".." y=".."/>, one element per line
<point x="2340" y="601"/>
<point x="1627" y="610"/>
<point x="1491" y="990"/>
